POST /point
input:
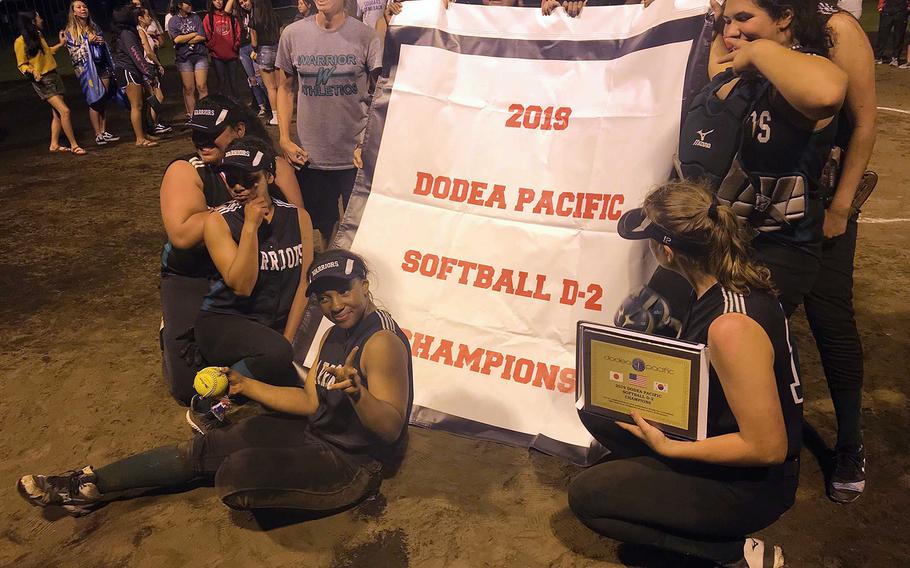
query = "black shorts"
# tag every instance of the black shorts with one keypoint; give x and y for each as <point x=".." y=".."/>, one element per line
<point x="126" y="77"/>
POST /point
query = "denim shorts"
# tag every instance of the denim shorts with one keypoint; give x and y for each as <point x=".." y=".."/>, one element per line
<point x="265" y="56"/>
<point x="193" y="62"/>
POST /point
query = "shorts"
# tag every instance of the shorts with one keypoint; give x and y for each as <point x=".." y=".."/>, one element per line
<point x="49" y="86"/>
<point x="124" y="77"/>
<point x="265" y="56"/>
<point x="193" y="62"/>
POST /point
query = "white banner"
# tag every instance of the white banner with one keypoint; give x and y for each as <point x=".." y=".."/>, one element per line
<point x="501" y="150"/>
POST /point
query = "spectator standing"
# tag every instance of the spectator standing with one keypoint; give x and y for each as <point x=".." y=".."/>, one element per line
<point x="133" y="72"/>
<point x="335" y="60"/>
<point x="190" y="53"/>
<point x="242" y="10"/>
<point x="222" y="31"/>
<point x="892" y="29"/>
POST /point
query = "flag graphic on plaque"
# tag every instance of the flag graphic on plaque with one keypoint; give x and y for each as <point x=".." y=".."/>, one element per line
<point x="660" y="387"/>
<point x="638" y="380"/>
<point x="615" y="376"/>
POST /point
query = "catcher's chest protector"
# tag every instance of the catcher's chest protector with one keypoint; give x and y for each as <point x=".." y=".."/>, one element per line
<point x="712" y="129"/>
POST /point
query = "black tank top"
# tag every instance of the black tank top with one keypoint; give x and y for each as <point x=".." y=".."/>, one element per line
<point x="336" y="420"/>
<point x="196" y="262"/>
<point x="774" y="147"/>
<point x="765" y="310"/>
<point x="280" y="256"/>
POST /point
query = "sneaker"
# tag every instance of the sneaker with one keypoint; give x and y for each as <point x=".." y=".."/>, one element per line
<point x="905" y="65"/>
<point x="848" y="481"/>
<point x="274" y="121"/>
<point x="203" y="416"/>
<point x="261" y="113"/>
<point x="100" y="140"/>
<point x="161" y="129"/>
<point x="75" y="491"/>
<point x="893" y="62"/>
<point x="879" y="60"/>
<point x="110" y="137"/>
<point x="757" y="555"/>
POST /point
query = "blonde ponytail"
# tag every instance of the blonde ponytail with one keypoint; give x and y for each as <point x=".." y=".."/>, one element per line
<point x="690" y="210"/>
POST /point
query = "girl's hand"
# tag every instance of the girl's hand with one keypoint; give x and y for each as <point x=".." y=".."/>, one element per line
<point x="547" y="7"/>
<point x="742" y="54"/>
<point x="36" y="75"/>
<point x="236" y="381"/>
<point x="358" y="158"/>
<point x="253" y="55"/>
<point x="255" y="210"/>
<point x="62" y="36"/>
<point x="392" y="8"/>
<point x="648" y="434"/>
<point x="347" y="379"/>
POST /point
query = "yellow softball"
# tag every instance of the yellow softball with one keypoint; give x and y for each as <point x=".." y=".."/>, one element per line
<point x="210" y="382"/>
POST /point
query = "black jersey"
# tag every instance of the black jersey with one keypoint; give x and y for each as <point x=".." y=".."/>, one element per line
<point x="774" y="148"/>
<point x="336" y="420"/>
<point x="765" y="310"/>
<point x="280" y="256"/>
<point x="196" y="261"/>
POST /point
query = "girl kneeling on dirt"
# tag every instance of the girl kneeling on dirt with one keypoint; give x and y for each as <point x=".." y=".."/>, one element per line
<point x="324" y="446"/>
<point x="702" y="498"/>
<point x="35" y="60"/>
<point x="191" y="188"/>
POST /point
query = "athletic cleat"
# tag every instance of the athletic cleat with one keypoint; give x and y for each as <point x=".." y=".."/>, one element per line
<point x="100" y="140"/>
<point x="110" y="137"/>
<point x="161" y="129"/>
<point x="757" y="555"/>
<point x="848" y="481"/>
<point x="203" y="416"/>
<point x="75" y="491"/>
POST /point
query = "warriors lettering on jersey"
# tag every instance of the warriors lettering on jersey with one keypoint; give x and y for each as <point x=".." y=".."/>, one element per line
<point x="282" y="259"/>
<point x="324" y="377"/>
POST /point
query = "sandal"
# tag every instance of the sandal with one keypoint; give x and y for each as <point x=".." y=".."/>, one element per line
<point x="146" y="144"/>
<point x="59" y="149"/>
<point x="78" y="150"/>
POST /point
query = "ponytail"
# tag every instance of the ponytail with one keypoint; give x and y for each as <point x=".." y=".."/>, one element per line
<point x="690" y="210"/>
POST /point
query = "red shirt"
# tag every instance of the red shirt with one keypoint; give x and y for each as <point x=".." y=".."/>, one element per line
<point x="223" y="33"/>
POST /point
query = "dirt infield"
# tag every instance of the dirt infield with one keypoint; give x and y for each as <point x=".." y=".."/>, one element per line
<point x="79" y="361"/>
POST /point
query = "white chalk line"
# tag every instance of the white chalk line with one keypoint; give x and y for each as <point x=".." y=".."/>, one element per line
<point x="894" y="110"/>
<point x="880" y="220"/>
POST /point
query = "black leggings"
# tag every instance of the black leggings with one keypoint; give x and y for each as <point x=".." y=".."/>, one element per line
<point x="681" y="506"/>
<point x="266" y="461"/>
<point x="249" y="347"/>
<point x="829" y="309"/>
<point x="226" y="71"/>
<point x="181" y="298"/>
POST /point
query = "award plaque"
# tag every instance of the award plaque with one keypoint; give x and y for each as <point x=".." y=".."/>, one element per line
<point x="664" y="379"/>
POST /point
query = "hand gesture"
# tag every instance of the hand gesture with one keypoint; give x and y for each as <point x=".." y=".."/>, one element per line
<point x="574" y="7"/>
<point x="648" y="434"/>
<point x="253" y="55"/>
<point x="236" y="381"/>
<point x="741" y="54"/>
<point x="347" y="378"/>
<point x="358" y="158"/>
<point x="255" y="210"/>
<point x="294" y="154"/>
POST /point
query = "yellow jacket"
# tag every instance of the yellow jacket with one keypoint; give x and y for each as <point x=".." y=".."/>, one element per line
<point x="43" y="61"/>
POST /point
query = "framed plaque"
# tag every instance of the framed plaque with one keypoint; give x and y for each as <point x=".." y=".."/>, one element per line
<point x="664" y="379"/>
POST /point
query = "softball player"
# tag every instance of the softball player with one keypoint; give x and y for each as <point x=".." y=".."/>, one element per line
<point x="745" y="473"/>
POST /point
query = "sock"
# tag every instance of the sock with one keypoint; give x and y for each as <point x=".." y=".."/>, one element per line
<point x="160" y="467"/>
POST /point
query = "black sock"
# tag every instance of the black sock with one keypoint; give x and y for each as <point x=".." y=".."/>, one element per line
<point x="160" y="467"/>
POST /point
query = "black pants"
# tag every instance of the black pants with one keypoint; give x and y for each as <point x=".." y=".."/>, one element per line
<point x="829" y="309"/>
<point x="892" y="28"/>
<point x="274" y="461"/>
<point x="181" y="298"/>
<point x="226" y="72"/>
<point x="320" y="190"/>
<point x="682" y="506"/>
<point x="793" y="271"/>
<point x="249" y="347"/>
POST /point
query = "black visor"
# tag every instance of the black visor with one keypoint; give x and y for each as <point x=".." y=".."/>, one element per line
<point x="635" y="225"/>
